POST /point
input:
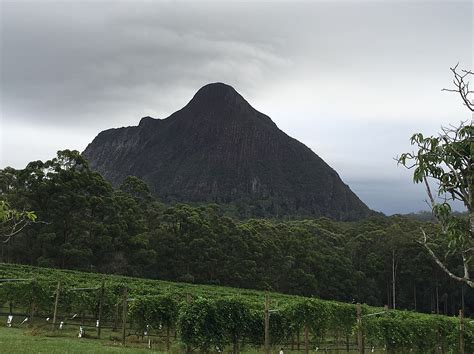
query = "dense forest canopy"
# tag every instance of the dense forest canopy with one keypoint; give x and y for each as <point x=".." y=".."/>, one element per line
<point x="84" y="223"/>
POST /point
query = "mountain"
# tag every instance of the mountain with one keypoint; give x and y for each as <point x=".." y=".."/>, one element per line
<point x="218" y="148"/>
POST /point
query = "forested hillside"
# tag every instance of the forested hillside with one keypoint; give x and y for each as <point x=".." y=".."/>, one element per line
<point x="84" y="223"/>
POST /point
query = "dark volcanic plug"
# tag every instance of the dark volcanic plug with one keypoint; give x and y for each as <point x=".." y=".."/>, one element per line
<point x="218" y="148"/>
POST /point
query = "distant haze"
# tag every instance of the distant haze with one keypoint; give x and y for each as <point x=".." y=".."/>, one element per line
<point x="352" y="80"/>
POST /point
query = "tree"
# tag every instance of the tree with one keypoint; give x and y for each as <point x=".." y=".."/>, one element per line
<point x="12" y="221"/>
<point x="448" y="160"/>
<point x="86" y="223"/>
<point x="137" y="188"/>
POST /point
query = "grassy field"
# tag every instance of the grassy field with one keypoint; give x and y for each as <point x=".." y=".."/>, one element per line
<point x="17" y="340"/>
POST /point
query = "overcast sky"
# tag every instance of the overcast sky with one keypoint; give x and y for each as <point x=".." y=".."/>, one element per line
<point x="352" y="80"/>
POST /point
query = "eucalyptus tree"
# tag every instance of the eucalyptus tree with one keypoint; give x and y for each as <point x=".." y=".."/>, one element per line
<point x="447" y="161"/>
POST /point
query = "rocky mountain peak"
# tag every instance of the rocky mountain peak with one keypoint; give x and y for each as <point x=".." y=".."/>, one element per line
<point x="219" y="149"/>
<point x="217" y="97"/>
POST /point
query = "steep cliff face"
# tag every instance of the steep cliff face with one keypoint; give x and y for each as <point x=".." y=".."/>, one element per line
<point x="219" y="149"/>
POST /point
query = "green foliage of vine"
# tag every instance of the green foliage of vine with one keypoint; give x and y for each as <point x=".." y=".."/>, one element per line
<point x="32" y="295"/>
<point x="200" y="324"/>
<point x="343" y="317"/>
<point x="399" y="331"/>
<point x="154" y="312"/>
<point x="219" y="317"/>
<point x="314" y="313"/>
<point x="236" y="319"/>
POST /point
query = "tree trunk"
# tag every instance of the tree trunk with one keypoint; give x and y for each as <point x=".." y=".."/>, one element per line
<point x="389" y="302"/>
<point x="414" y="295"/>
<point x="437" y="297"/>
<point x="393" y="280"/>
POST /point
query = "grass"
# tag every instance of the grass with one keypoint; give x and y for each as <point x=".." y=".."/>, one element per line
<point x="16" y="340"/>
<point x="21" y="340"/>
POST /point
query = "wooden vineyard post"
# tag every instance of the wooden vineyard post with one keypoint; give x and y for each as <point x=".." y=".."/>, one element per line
<point x="56" y="301"/>
<point x="116" y="317"/>
<point x="235" y="347"/>
<point x="32" y="314"/>
<point x="306" y="338"/>
<point x="267" y="324"/>
<point x="167" y="339"/>
<point x="337" y="341"/>
<point x="360" y="340"/>
<point x="33" y="307"/>
<point x="124" y="314"/>
<point x="461" y="331"/>
<point x="298" y="340"/>
<point x="101" y="305"/>
<point x="188" y="301"/>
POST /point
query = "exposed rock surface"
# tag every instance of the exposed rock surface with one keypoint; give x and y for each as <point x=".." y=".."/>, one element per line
<point x="219" y="149"/>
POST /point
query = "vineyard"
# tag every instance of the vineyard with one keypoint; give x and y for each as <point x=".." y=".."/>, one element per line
<point x="179" y="317"/>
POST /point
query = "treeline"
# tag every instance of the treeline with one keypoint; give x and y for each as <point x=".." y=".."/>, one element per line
<point x="84" y="223"/>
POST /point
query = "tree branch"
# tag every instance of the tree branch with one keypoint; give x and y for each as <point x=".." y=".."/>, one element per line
<point x="428" y="191"/>
<point x="433" y="255"/>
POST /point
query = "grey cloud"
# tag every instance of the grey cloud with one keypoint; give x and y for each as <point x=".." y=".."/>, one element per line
<point x="57" y="67"/>
<point x="351" y="79"/>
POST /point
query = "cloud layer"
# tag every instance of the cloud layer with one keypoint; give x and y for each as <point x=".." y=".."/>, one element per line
<point x="352" y="80"/>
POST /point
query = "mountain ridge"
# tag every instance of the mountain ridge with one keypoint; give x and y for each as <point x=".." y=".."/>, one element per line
<point x="218" y="148"/>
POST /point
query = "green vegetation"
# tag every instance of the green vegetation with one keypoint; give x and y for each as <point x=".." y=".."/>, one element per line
<point x="447" y="162"/>
<point x="13" y="340"/>
<point x="12" y="221"/>
<point x="204" y="317"/>
<point x="84" y="223"/>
